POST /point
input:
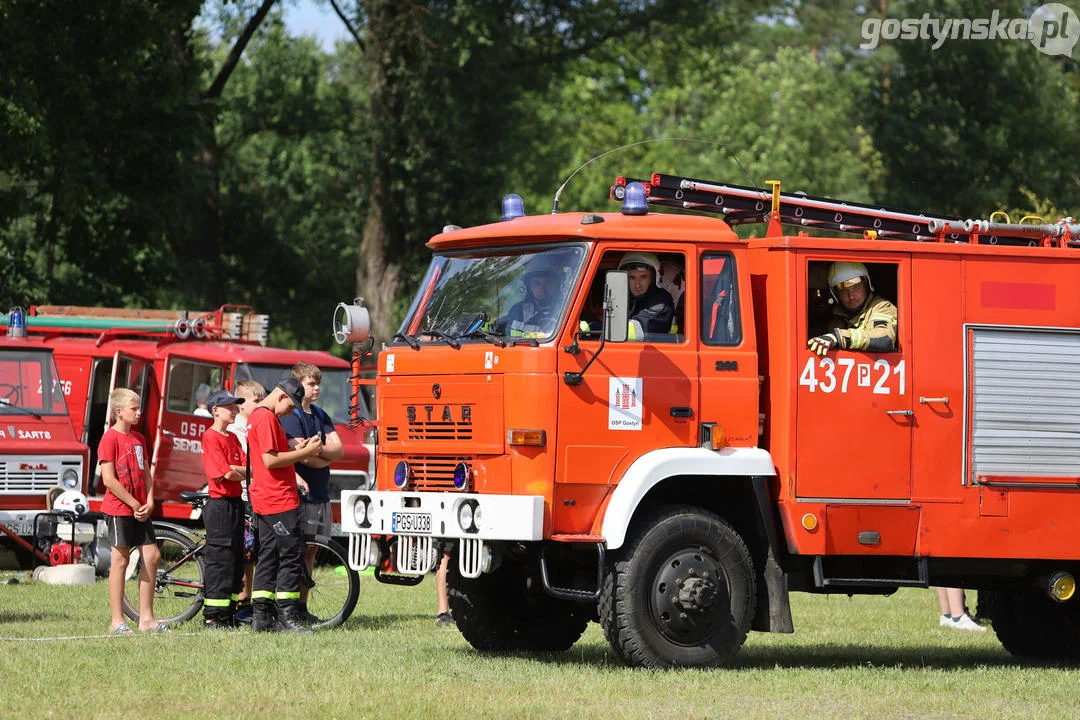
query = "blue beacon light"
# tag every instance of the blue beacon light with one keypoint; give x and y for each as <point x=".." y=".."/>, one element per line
<point x="634" y="202"/>
<point x="401" y="474"/>
<point x="512" y="207"/>
<point x="16" y="322"/>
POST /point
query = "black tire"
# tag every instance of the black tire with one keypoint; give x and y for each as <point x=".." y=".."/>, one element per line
<point x="681" y="593"/>
<point x="337" y="586"/>
<point x="178" y="591"/>
<point x="508" y="610"/>
<point x="1031" y="625"/>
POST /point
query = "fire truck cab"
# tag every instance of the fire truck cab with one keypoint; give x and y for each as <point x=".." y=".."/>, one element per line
<point x="678" y="482"/>
<point x="40" y="457"/>
<point x="174" y="359"/>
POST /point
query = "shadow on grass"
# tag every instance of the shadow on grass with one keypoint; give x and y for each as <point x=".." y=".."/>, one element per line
<point x="384" y="621"/>
<point x="824" y="657"/>
<point x="23" y="617"/>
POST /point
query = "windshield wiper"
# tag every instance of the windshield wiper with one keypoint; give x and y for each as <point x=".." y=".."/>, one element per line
<point x="20" y="408"/>
<point x="440" y="335"/>
<point x="496" y="339"/>
<point x="409" y="340"/>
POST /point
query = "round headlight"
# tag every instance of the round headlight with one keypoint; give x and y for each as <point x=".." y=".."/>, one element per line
<point x="477" y="517"/>
<point x="401" y="474"/>
<point x="461" y="475"/>
<point x="465" y="516"/>
<point x="359" y="511"/>
<point x="70" y="479"/>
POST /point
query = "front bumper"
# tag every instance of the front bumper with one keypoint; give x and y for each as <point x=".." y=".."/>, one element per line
<point x="418" y="519"/>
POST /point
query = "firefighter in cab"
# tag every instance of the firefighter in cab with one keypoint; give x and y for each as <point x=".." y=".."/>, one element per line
<point x="651" y="307"/>
<point x="534" y="316"/>
<point x="861" y="320"/>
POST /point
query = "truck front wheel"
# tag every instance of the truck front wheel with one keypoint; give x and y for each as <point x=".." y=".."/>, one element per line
<point x="681" y="593"/>
<point x="508" y="610"/>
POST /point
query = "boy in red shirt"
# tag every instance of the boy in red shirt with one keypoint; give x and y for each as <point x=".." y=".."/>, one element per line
<point x="223" y="515"/>
<point x="128" y="503"/>
<point x="276" y="503"/>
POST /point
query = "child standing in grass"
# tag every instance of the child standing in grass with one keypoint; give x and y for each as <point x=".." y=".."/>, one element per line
<point x="128" y="504"/>
<point x="226" y="470"/>
<point x="252" y="394"/>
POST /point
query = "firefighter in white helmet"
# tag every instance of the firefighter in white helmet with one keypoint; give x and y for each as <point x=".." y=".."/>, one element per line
<point x="651" y="307"/>
<point x="861" y="320"/>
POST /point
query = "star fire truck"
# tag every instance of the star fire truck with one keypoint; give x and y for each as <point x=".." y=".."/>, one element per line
<point x="173" y="359"/>
<point x="41" y="461"/>
<point x="676" y="486"/>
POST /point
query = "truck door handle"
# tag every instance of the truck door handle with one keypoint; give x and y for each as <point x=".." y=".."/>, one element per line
<point x="905" y="413"/>
<point x="168" y="433"/>
<point x="682" y="412"/>
<point x="924" y="400"/>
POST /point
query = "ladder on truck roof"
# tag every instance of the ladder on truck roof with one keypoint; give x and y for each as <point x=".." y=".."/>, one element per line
<point x="742" y="205"/>
<point x="228" y="322"/>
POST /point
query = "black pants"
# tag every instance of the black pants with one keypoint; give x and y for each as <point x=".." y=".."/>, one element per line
<point x="281" y="558"/>
<point x="223" y="561"/>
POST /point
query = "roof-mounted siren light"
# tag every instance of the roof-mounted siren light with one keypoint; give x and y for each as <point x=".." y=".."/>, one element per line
<point x="634" y="200"/>
<point x="198" y="328"/>
<point x="512" y="207"/>
<point x="182" y="328"/>
<point x="16" y="322"/>
<point x="351" y="323"/>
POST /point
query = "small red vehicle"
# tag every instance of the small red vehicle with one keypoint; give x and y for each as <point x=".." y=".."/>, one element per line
<point x="171" y="357"/>
<point x="40" y="457"/>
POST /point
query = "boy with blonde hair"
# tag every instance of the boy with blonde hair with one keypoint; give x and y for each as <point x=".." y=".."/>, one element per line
<point x="128" y="504"/>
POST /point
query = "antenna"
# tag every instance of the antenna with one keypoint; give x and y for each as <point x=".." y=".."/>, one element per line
<point x="555" y="202"/>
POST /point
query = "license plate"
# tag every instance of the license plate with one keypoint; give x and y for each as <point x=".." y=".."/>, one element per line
<point x="21" y="527"/>
<point x="406" y="522"/>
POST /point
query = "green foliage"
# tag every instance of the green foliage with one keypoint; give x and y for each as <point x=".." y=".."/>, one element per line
<point x="963" y="128"/>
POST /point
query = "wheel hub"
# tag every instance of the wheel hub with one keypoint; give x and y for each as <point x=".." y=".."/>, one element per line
<point x="689" y="596"/>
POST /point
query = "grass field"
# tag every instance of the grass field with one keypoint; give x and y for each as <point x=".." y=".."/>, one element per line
<point x="850" y="658"/>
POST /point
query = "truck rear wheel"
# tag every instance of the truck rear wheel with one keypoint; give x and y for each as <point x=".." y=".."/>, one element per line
<point x="1029" y="624"/>
<point x="508" y="610"/>
<point x="681" y="593"/>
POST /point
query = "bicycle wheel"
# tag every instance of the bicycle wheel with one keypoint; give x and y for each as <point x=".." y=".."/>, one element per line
<point x="178" y="590"/>
<point x="337" y="587"/>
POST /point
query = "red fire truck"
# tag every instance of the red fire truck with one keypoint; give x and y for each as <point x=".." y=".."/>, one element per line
<point x="678" y="485"/>
<point x="172" y="358"/>
<point x="40" y="458"/>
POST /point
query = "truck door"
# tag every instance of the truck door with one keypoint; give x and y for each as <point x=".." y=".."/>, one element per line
<point x="188" y="383"/>
<point x="638" y="396"/>
<point x="854" y="416"/>
<point x="126" y="371"/>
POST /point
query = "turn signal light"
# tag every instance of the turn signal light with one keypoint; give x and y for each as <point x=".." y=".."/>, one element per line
<point x="719" y="437"/>
<point x="809" y="521"/>
<point x="531" y="438"/>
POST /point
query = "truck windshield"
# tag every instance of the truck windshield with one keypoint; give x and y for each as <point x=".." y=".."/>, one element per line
<point x="29" y="384"/>
<point x="333" y="391"/>
<point x="484" y="294"/>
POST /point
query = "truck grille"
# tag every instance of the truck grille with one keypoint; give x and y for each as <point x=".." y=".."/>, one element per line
<point x="21" y="476"/>
<point x="434" y="472"/>
<point x="421" y="430"/>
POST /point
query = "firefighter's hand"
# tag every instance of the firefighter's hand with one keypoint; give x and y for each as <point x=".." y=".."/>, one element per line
<point x="824" y="343"/>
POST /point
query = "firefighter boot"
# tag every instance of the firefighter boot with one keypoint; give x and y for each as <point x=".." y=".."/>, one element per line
<point x="264" y="616"/>
<point x="292" y="619"/>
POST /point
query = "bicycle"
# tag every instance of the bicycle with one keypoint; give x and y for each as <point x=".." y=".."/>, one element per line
<point x="178" y="589"/>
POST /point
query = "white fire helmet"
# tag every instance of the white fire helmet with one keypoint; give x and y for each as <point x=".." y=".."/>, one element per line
<point x="71" y="501"/>
<point x="637" y="260"/>
<point x="842" y="273"/>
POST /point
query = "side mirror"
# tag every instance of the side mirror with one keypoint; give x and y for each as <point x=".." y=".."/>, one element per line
<point x="616" y="296"/>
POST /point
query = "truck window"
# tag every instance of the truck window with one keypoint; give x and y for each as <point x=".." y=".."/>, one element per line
<point x="823" y="308"/>
<point x="656" y="313"/>
<point x="721" y="323"/>
<point x="189" y="383"/>
<point x="28" y="384"/>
